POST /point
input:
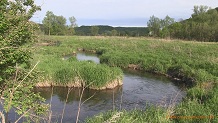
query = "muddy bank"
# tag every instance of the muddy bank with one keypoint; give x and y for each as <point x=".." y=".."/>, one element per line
<point x="86" y="50"/>
<point x="174" y="74"/>
<point x="77" y="84"/>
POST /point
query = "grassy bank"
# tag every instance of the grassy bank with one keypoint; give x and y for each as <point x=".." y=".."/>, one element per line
<point x="192" y="63"/>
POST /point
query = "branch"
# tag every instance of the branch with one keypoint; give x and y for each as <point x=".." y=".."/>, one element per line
<point x="68" y="92"/>
<point x="33" y="115"/>
<point x="22" y="115"/>
<point x="2" y="116"/>
<point x="88" y="98"/>
<point x="8" y="48"/>
<point x="27" y="75"/>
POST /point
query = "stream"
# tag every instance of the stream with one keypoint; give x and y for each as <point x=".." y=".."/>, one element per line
<point x="138" y="91"/>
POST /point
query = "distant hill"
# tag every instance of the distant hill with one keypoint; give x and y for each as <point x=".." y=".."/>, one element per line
<point x="109" y="31"/>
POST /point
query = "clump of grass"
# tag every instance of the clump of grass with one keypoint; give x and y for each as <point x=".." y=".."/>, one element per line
<point x="64" y="76"/>
<point x="99" y="75"/>
<point x="63" y="72"/>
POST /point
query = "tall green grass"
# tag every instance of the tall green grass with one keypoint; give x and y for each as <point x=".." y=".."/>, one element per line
<point x="135" y="116"/>
<point x="63" y="72"/>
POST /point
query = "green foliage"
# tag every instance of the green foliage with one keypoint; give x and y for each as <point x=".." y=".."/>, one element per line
<point x="56" y="25"/>
<point x="16" y="80"/>
<point x="154" y="25"/>
<point x="160" y="27"/>
<point x="200" y="10"/>
<point x="108" y="31"/>
<point x="114" y="32"/>
<point x="72" y="22"/>
<point x="12" y="39"/>
<point x="19" y="95"/>
<point x="94" y="30"/>
<point x="202" y="26"/>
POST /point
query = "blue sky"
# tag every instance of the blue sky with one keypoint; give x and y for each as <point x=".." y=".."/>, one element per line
<point x="119" y="12"/>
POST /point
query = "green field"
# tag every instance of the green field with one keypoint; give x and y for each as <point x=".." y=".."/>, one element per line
<point x="193" y="63"/>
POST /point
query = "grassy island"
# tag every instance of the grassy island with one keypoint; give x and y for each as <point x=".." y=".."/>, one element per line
<point x="57" y="71"/>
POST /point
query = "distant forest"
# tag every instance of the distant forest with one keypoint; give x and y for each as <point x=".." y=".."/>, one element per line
<point x="112" y="31"/>
<point x="201" y="26"/>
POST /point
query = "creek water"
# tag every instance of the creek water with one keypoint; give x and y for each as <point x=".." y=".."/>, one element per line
<point x="138" y="91"/>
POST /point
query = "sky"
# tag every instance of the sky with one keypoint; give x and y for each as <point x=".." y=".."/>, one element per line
<point x="123" y="13"/>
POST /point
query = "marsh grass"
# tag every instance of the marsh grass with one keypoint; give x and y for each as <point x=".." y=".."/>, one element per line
<point x="65" y="72"/>
<point x="193" y="63"/>
<point x="151" y="114"/>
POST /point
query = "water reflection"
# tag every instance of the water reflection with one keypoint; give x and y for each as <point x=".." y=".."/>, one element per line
<point x="136" y="92"/>
<point x="74" y="95"/>
<point x="101" y="101"/>
<point x="85" y="56"/>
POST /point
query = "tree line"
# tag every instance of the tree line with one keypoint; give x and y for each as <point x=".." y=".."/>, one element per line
<point x="201" y="26"/>
<point x="57" y="25"/>
<point x="105" y="30"/>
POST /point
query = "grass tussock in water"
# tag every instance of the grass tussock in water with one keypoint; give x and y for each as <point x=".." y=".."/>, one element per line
<point x="75" y="73"/>
<point x="192" y="63"/>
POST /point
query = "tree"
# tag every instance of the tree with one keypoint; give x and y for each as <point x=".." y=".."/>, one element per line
<point x="114" y="32"/>
<point x="59" y="25"/>
<point x="94" y="30"/>
<point x="165" y="23"/>
<point x="200" y="10"/>
<point x="47" y="22"/>
<point x="16" y="31"/>
<point x="73" y="23"/>
<point x="54" y="25"/>
<point x="154" y="25"/>
<point x="175" y="30"/>
<point x="202" y="25"/>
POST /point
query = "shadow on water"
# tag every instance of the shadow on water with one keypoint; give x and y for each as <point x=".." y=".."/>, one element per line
<point x="138" y="90"/>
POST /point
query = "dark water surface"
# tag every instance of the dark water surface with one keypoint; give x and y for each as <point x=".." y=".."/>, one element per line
<point x="138" y="90"/>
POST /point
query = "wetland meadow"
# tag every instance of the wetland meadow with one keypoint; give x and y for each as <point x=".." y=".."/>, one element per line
<point x="190" y="69"/>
